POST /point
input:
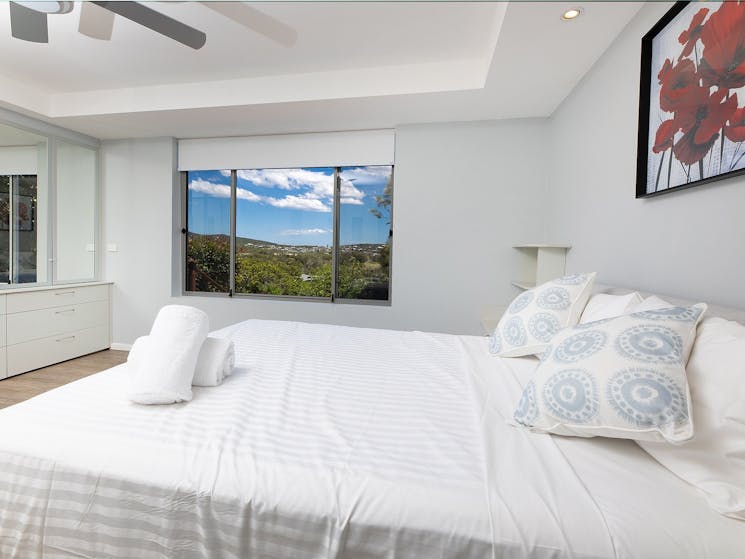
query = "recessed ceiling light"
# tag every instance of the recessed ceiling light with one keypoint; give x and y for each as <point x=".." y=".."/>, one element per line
<point x="572" y="13"/>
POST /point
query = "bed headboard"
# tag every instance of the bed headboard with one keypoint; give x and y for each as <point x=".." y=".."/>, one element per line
<point x="729" y="313"/>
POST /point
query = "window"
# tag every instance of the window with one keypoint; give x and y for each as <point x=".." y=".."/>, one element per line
<point x="208" y="239"/>
<point x="284" y="232"/>
<point x="365" y="232"/>
<point x="321" y="232"/>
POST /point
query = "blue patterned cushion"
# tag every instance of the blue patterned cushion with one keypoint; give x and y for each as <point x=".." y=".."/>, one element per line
<point x="535" y="316"/>
<point x="622" y="377"/>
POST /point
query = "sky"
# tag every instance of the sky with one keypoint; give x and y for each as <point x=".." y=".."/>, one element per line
<point x="290" y="206"/>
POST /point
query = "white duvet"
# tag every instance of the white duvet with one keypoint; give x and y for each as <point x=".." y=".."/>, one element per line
<point x="334" y="442"/>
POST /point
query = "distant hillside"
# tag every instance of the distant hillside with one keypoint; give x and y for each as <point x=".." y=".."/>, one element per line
<point x="245" y="241"/>
<point x="239" y="241"/>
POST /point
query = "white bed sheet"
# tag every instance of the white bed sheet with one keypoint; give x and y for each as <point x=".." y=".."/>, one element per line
<point x="334" y="442"/>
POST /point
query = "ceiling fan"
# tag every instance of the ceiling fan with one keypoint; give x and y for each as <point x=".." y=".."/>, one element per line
<point x="28" y="21"/>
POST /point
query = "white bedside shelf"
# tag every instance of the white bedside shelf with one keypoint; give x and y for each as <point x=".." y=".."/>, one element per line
<point x="539" y="263"/>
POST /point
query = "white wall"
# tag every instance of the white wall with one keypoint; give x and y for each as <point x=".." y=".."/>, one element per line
<point x="464" y="193"/>
<point x="136" y="198"/>
<point x="689" y="243"/>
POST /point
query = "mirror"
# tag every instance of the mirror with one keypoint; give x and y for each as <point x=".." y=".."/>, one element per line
<point x="76" y="210"/>
<point x="23" y="206"/>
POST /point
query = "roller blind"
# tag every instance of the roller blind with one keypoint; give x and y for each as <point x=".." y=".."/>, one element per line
<point x="328" y="149"/>
<point x="19" y="160"/>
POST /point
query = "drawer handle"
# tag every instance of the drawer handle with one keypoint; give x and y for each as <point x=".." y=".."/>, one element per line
<point x="65" y="293"/>
<point x="66" y="339"/>
<point x="65" y="311"/>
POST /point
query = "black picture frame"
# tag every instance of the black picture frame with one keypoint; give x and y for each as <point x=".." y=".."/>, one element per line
<point x="647" y="74"/>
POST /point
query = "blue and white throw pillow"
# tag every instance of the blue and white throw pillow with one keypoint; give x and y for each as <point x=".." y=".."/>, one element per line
<point x="621" y="377"/>
<point x="536" y="315"/>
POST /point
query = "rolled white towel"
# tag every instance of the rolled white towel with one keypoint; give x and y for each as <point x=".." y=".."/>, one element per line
<point x="229" y="363"/>
<point x="216" y="356"/>
<point x="164" y="363"/>
<point x="138" y="351"/>
<point x="173" y="321"/>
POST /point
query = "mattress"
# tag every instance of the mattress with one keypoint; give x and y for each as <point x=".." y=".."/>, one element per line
<point x="335" y="442"/>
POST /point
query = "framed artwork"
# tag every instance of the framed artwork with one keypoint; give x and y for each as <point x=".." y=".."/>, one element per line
<point x="25" y="213"/>
<point x="692" y="99"/>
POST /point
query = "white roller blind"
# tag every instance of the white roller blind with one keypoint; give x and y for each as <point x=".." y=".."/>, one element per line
<point x="19" y="160"/>
<point x="328" y="149"/>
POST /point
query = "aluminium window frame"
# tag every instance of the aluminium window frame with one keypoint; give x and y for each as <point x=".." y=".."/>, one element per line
<point x="333" y="299"/>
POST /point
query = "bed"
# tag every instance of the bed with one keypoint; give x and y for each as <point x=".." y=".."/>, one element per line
<point x="341" y="442"/>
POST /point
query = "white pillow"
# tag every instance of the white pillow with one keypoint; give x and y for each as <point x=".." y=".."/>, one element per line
<point x="621" y="377"/>
<point x="536" y="315"/>
<point x="714" y="461"/>
<point x="603" y="305"/>
<point x="652" y="303"/>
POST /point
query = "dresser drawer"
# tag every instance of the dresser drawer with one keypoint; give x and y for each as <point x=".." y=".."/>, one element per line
<point x="3" y="364"/>
<point x="43" y="323"/>
<point x="46" y="351"/>
<point x="34" y="300"/>
<point x="3" y="335"/>
<point x="2" y="304"/>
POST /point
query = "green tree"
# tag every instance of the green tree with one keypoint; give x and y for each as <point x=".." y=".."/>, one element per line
<point x="208" y="263"/>
<point x="384" y="201"/>
<point x="276" y="272"/>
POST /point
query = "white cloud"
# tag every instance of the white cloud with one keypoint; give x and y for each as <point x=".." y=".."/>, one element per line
<point x="316" y="189"/>
<point x="244" y="194"/>
<point x="222" y="190"/>
<point x="207" y="187"/>
<point x="318" y="182"/>
<point x="366" y="175"/>
<point x="348" y="190"/>
<point x="297" y="203"/>
<point x="305" y="232"/>
<point x="351" y="201"/>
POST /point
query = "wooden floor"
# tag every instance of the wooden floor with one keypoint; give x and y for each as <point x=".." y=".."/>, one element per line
<point x="22" y="387"/>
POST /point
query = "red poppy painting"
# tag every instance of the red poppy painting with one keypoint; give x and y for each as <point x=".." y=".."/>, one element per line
<point x="692" y="105"/>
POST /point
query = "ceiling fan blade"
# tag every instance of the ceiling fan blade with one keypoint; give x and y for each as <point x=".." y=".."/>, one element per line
<point x="28" y="24"/>
<point x="256" y="20"/>
<point x="95" y="22"/>
<point x="160" y="23"/>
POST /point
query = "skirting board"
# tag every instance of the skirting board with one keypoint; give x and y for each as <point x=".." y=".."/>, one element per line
<point x="121" y="347"/>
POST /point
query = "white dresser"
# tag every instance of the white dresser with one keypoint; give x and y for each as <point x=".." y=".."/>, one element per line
<point x="40" y="326"/>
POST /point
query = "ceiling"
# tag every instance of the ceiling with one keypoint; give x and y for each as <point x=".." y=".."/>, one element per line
<point x="355" y="65"/>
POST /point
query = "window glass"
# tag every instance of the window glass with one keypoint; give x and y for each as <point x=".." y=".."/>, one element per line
<point x="365" y="198"/>
<point x="284" y="231"/>
<point x="208" y="235"/>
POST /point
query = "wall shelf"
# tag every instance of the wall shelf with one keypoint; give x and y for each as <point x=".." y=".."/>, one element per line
<point x="539" y="263"/>
<point x="524" y="284"/>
